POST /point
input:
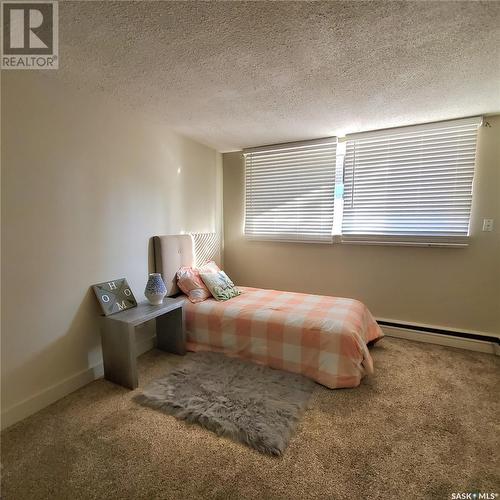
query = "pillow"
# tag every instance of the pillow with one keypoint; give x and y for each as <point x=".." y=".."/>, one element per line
<point x="189" y="281"/>
<point x="209" y="267"/>
<point x="220" y="286"/>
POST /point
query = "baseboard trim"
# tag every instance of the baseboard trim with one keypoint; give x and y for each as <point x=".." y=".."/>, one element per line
<point x="472" y="341"/>
<point x="57" y="391"/>
<point x="451" y="338"/>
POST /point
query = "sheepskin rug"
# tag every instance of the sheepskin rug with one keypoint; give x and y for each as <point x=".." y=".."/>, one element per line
<point x="250" y="403"/>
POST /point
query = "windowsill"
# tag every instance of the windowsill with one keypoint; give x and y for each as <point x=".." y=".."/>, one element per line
<point x="284" y="240"/>
<point x="406" y="244"/>
<point x="461" y="243"/>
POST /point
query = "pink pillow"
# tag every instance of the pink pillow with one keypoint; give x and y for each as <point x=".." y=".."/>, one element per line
<point x="189" y="281"/>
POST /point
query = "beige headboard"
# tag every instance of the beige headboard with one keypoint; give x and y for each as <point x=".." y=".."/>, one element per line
<point x="171" y="253"/>
<point x="176" y="250"/>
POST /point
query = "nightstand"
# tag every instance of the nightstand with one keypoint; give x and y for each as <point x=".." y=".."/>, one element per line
<point x="118" y="337"/>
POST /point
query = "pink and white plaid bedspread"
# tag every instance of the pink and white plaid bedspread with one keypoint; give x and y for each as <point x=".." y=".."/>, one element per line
<point x="321" y="337"/>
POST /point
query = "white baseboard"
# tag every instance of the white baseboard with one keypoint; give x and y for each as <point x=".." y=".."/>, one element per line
<point x="57" y="391"/>
<point x="442" y="339"/>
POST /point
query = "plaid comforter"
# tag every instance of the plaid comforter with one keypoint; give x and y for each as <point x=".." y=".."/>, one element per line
<point x="323" y="338"/>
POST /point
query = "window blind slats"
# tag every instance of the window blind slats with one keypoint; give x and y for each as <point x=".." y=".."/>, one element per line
<point x="296" y="165"/>
<point x="277" y="177"/>
<point x="406" y="185"/>
<point x="413" y="142"/>
<point x="431" y="150"/>
<point x="408" y="173"/>
<point x="423" y="161"/>
<point x="415" y="181"/>
<point x="284" y="157"/>
<point x="289" y="192"/>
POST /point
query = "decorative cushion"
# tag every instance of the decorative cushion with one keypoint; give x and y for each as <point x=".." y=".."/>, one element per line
<point x="209" y="267"/>
<point x="189" y="281"/>
<point x="219" y="284"/>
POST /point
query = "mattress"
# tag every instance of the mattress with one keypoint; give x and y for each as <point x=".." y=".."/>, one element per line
<point x="324" y="338"/>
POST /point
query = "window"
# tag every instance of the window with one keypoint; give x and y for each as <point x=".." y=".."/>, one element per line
<point x="411" y="185"/>
<point x="290" y="191"/>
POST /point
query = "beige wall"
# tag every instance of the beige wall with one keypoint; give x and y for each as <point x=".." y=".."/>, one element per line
<point x="85" y="184"/>
<point x="446" y="287"/>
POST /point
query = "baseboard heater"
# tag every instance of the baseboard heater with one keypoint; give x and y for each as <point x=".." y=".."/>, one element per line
<point x="442" y="336"/>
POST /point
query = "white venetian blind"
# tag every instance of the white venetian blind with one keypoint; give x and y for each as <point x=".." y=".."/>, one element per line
<point x="410" y="184"/>
<point x="289" y="191"/>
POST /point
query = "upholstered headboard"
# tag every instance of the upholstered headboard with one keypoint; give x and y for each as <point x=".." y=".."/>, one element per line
<point x="176" y="250"/>
<point x="171" y="253"/>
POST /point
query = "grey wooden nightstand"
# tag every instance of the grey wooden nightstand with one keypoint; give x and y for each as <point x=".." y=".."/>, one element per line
<point x="118" y="337"/>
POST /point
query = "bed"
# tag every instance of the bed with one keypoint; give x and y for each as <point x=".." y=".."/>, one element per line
<point x="324" y="338"/>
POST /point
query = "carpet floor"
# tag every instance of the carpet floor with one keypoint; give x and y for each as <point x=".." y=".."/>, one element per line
<point x="424" y="426"/>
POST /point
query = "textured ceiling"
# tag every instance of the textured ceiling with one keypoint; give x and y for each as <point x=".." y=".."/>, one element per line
<point x="238" y="74"/>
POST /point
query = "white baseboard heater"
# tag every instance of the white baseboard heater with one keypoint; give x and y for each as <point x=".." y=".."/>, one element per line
<point x="473" y="341"/>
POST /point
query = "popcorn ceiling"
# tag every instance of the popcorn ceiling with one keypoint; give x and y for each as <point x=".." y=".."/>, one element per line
<point x="239" y="74"/>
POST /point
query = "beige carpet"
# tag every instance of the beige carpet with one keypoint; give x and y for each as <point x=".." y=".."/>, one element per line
<point x="424" y="426"/>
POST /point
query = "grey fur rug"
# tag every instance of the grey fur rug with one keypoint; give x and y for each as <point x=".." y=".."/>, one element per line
<point x="250" y="403"/>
